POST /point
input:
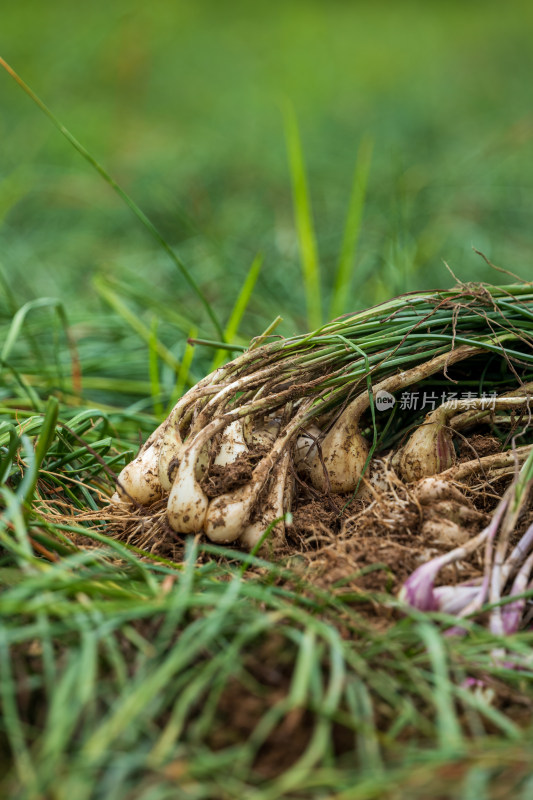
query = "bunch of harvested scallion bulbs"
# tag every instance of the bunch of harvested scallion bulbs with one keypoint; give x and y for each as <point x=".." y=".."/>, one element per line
<point x="294" y="408"/>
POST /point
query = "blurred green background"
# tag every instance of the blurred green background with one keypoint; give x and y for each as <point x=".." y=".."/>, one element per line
<point x="183" y="103"/>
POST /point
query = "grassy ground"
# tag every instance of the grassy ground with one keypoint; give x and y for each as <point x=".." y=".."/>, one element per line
<point x="409" y="125"/>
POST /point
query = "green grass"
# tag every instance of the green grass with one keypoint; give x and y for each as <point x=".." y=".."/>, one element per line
<point x="186" y="113"/>
<point x="124" y="677"/>
<point x="149" y="678"/>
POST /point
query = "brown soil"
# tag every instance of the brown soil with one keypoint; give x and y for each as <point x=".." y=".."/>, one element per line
<point x="478" y="445"/>
<point x="367" y="546"/>
<point x="219" y="480"/>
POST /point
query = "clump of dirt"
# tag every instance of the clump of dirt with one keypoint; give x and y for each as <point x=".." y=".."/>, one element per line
<point x="312" y="520"/>
<point x="221" y="479"/>
<point x="478" y="445"/>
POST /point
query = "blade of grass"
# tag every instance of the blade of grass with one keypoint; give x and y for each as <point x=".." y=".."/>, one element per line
<point x="184" y="378"/>
<point x="153" y="370"/>
<point x="448" y="727"/>
<point x="238" y="348"/>
<point x="141" y="216"/>
<point x="257" y="341"/>
<point x="346" y="264"/>
<point x="304" y="219"/>
<point x="118" y="305"/>
<point x="139" y="293"/>
<point x="286" y="518"/>
<point x="360" y="705"/>
<point x="16" y="327"/>
<point x="7" y="460"/>
<point x="46" y="437"/>
<point x="11" y="720"/>
<point x="17" y="539"/>
<point x="8" y="292"/>
<point x="302" y="670"/>
<point x="74" y="689"/>
<point x="239" y="308"/>
<point x="321" y="737"/>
